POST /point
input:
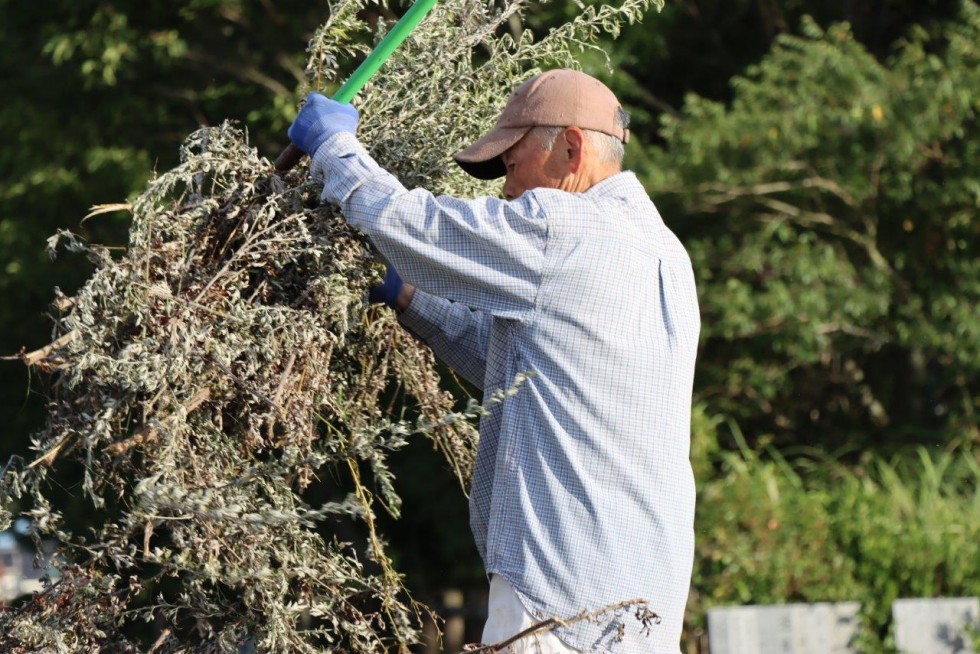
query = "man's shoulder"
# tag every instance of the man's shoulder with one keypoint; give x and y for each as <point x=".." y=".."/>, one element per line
<point x="608" y="207"/>
<point x="623" y="184"/>
<point x="620" y="185"/>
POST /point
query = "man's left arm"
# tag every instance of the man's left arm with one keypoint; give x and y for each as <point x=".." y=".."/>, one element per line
<point x="455" y="333"/>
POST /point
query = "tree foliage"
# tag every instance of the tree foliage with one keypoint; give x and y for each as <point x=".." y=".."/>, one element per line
<point x="830" y="213"/>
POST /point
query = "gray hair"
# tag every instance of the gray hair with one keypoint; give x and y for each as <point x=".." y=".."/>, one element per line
<point x="609" y="148"/>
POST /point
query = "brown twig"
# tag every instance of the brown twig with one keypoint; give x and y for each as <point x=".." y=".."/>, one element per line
<point x="99" y="209"/>
<point x="48" y="457"/>
<point x="159" y="641"/>
<point x="285" y="376"/>
<point x="149" y="432"/>
<point x="551" y="623"/>
<point x="277" y="395"/>
<point x="32" y="358"/>
<point x="147" y="535"/>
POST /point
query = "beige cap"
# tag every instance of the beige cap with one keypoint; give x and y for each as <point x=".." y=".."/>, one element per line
<point x="557" y="98"/>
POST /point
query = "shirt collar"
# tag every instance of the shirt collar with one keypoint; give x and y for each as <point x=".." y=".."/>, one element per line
<point x="618" y="185"/>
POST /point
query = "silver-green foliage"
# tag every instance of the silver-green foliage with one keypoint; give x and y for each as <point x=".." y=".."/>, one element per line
<point x="226" y="362"/>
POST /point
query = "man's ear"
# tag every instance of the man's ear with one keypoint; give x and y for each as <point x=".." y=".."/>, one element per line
<point x="574" y="141"/>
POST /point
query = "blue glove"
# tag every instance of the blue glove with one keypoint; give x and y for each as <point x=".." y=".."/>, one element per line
<point x="319" y="119"/>
<point x="389" y="289"/>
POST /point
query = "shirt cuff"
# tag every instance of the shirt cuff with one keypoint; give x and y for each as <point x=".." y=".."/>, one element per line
<point x="425" y="316"/>
<point x="343" y="165"/>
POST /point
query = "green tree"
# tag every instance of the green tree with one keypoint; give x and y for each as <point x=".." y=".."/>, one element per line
<point x="699" y="46"/>
<point x="830" y="213"/>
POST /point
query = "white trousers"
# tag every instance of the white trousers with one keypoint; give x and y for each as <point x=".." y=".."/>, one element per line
<point x="506" y="616"/>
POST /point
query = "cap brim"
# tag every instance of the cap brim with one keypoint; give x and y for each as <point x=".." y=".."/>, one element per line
<point x="482" y="159"/>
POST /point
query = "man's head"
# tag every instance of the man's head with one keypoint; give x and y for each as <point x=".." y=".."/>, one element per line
<point x="560" y="129"/>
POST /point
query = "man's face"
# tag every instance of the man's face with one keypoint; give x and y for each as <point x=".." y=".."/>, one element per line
<point x="530" y="166"/>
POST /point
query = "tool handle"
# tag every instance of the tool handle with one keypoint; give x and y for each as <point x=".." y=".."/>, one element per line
<point x="288" y="158"/>
<point x="291" y="155"/>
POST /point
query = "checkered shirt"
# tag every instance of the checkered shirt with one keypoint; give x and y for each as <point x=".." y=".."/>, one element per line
<point x="583" y="494"/>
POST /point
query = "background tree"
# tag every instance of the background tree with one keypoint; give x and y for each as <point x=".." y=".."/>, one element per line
<point x="829" y="207"/>
<point x="830" y="211"/>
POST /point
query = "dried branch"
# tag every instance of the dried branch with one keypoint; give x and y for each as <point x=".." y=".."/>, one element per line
<point x="100" y="209"/>
<point x="642" y="613"/>
<point x="33" y="358"/>
<point x="149" y="433"/>
<point x="48" y="457"/>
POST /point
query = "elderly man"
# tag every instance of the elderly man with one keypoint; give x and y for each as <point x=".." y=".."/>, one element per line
<point x="583" y="495"/>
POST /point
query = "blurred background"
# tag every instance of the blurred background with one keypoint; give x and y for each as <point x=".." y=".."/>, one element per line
<point x="819" y="160"/>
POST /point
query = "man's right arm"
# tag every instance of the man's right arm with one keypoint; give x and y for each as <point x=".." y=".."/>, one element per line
<point x="456" y="333"/>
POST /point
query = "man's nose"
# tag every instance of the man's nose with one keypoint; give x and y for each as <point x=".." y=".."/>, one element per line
<point x="508" y="190"/>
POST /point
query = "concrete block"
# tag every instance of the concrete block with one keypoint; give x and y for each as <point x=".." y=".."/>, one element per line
<point x="820" y="628"/>
<point x="939" y="625"/>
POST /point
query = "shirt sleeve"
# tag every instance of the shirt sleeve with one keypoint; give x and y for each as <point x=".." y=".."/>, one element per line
<point x="456" y="333"/>
<point x="486" y="254"/>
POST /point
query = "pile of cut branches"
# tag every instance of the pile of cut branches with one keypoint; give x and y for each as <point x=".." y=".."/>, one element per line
<point x="206" y="379"/>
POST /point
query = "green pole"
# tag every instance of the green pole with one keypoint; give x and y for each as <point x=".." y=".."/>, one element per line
<point x="291" y="155"/>
<point x="383" y="50"/>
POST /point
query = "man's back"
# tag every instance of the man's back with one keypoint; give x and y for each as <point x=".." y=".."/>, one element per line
<point x="583" y="494"/>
